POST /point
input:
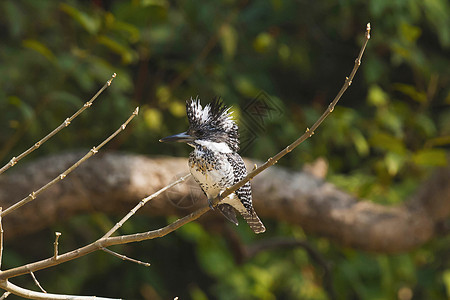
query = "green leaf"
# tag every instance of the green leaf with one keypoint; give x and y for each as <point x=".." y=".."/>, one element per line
<point x="438" y="141"/>
<point x="377" y="96"/>
<point x="228" y="40"/>
<point x="245" y="85"/>
<point x="284" y="52"/>
<point x="125" y="52"/>
<point x="388" y="142"/>
<point x="153" y="118"/>
<point x="90" y="24"/>
<point x="394" y="162"/>
<point x="131" y="30"/>
<point x="177" y="109"/>
<point x="410" y="33"/>
<point x="162" y="3"/>
<point x="411" y="91"/>
<point x="425" y="123"/>
<point x="446" y="280"/>
<point x="40" y="48"/>
<point x="430" y="157"/>
<point x="263" y="42"/>
<point x="437" y="14"/>
<point x="360" y="142"/>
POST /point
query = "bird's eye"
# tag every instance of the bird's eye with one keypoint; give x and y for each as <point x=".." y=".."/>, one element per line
<point x="199" y="132"/>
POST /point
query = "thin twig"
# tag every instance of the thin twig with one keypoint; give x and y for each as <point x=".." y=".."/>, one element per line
<point x="5" y="294"/>
<point x="117" y="240"/>
<point x="123" y="257"/>
<point x="66" y="123"/>
<point x="60" y="177"/>
<point x="99" y="244"/>
<point x="142" y="203"/>
<point x="37" y="283"/>
<point x="55" y="245"/>
<point x="271" y="161"/>
<point x="309" y="131"/>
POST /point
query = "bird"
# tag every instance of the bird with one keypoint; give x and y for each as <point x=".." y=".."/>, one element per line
<point x="215" y="163"/>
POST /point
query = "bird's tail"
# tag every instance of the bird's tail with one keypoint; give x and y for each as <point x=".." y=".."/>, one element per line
<point x="249" y="215"/>
<point x="253" y="220"/>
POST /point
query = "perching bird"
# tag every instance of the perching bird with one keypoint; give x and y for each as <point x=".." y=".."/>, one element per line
<point x="215" y="163"/>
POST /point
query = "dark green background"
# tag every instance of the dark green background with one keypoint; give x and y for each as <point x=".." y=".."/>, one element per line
<point x="388" y="133"/>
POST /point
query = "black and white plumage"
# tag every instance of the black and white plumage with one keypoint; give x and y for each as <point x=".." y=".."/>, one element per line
<point x="215" y="163"/>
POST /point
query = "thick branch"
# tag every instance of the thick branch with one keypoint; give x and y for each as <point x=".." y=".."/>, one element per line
<point x="122" y="181"/>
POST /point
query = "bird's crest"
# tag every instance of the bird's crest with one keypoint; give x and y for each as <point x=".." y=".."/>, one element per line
<point x="215" y="120"/>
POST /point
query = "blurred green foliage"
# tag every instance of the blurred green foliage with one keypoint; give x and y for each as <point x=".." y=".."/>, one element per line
<point x="390" y="130"/>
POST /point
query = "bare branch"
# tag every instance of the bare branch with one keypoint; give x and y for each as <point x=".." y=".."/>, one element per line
<point x="16" y="290"/>
<point x="66" y="123"/>
<point x="109" y="241"/>
<point x="142" y="203"/>
<point x="270" y="162"/>
<point x="37" y="283"/>
<point x="123" y="257"/>
<point x="5" y="294"/>
<point x="290" y="196"/>
<point x="101" y="243"/>
<point x="60" y="177"/>
<point x="309" y="131"/>
<point x="55" y="245"/>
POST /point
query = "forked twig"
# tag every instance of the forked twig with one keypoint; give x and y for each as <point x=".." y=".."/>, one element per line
<point x="123" y="257"/>
<point x="37" y="282"/>
<point x="107" y="240"/>
<point x="91" y="152"/>
<point x="66" y="123"/>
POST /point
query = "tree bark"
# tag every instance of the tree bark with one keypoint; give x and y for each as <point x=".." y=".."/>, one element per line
<point x="114" y="182"/>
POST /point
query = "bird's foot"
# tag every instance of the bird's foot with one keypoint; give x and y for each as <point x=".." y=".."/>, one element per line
<point x="210" y="203"/>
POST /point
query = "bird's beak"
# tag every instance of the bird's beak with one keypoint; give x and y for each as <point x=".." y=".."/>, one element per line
<point x="181" y="137"/>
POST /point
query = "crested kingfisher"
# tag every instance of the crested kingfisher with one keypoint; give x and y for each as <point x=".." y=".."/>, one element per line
<point x="214" y="163"/>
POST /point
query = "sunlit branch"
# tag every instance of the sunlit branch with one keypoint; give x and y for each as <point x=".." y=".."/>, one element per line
<point x="55" y="245"/>
<point x="37" y="283"/>
<point x="66" y="123"/>
<point x="107" y="240"/>
<point x="142" y="203"/>
<point x="123" y="257"/>
<point x="60" y="177"/>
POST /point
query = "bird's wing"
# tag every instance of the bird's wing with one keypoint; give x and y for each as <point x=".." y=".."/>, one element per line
<point x="244" y="194"/>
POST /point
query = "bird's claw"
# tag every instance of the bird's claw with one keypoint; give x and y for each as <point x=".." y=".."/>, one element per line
<point x="211" y="204"/>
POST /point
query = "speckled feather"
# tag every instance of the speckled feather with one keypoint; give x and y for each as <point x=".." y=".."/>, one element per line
<point x="215" y="163"/>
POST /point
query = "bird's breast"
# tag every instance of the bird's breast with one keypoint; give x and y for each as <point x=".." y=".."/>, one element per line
<point x="213" y="173"/>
